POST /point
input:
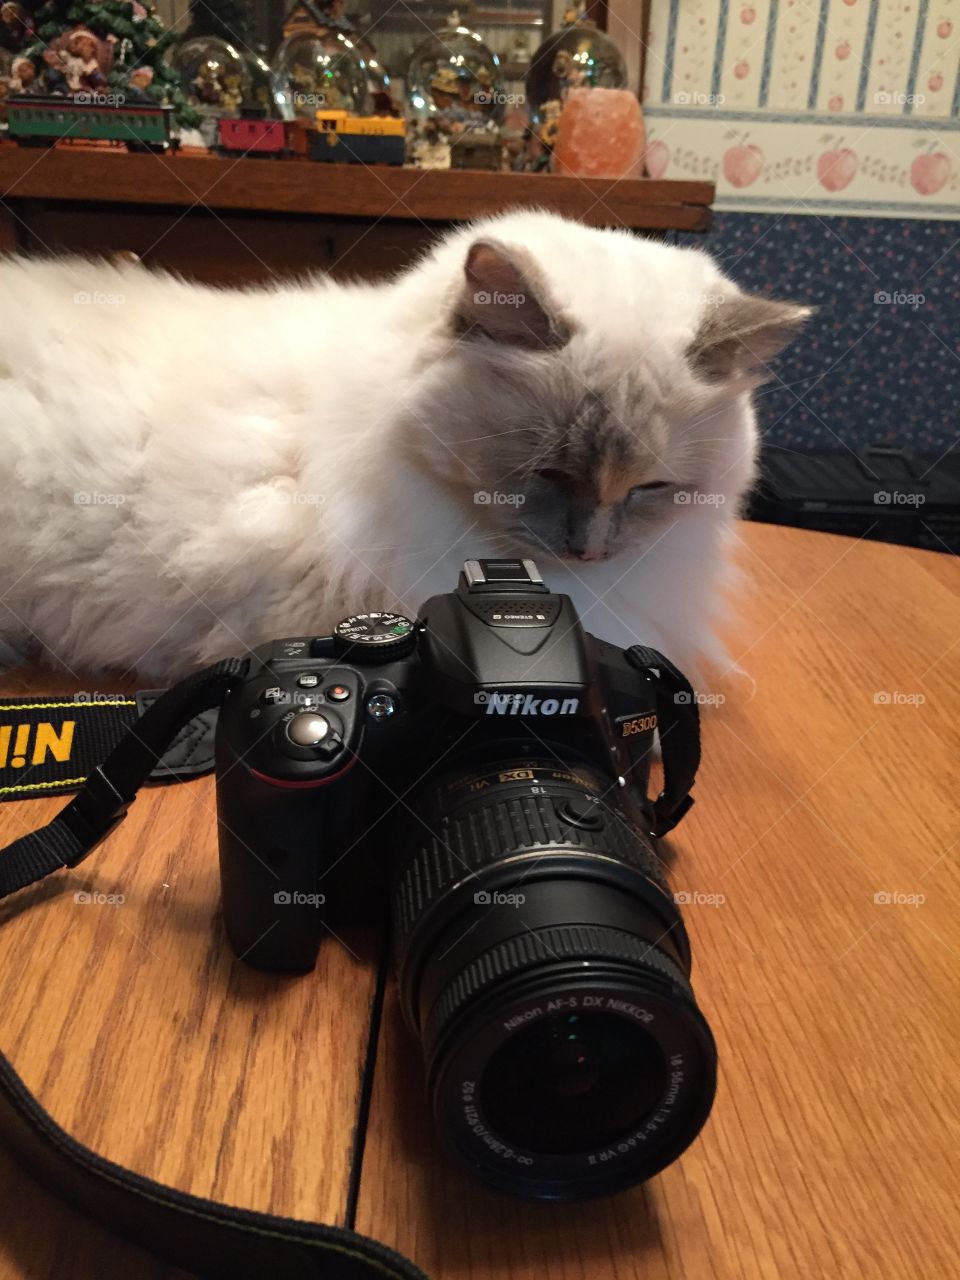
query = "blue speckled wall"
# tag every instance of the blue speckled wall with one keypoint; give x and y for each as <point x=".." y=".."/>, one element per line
<point x="865" y="370"/>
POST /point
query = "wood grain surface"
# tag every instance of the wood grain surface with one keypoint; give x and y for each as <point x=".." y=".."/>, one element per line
<point x="369" y="191"/>
<point x="829" y="781"/>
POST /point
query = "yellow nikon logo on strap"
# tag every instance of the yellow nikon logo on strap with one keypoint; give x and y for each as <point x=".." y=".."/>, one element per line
<point x="48" y="740"/>
<point x="50" y="744"/>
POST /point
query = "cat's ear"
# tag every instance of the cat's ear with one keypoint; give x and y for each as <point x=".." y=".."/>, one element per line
<point x="504" y="299"/>
<point x="738" y="336"/>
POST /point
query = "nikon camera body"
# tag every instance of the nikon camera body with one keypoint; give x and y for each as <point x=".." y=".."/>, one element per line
<point x="480" y="778"/>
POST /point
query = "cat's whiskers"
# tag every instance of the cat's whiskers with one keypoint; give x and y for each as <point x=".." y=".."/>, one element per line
<point x="497" y="435"/>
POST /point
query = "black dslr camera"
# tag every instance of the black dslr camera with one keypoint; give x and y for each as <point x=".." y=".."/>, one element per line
<point x="480" y="778"/>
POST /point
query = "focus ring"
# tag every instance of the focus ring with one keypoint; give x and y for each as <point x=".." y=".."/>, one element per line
<point x="525" y="951"/>
<point x="490" y="831"/>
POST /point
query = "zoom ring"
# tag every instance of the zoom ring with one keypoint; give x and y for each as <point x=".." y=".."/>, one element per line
<point x="555" y="944"/>
<point x="490" y="831"/>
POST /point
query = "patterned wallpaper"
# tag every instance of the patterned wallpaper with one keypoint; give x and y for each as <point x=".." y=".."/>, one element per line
<point x="819" y="106"/>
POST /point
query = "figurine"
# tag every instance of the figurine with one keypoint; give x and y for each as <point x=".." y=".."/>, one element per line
<point x="429" y="145"/>
<point x="207" y="88"/>
<point x="138" y="86"/>
<point x="23" y="75"/>
<point x="85" y="59"/>
<point x="550" y="123"/>
<point x="16" y="27"/>
<point x="520" y="53"/>
<point x="445" y="87"/>
<point x="232" y="97"/>
<point x="566" y="69"/>
<point x="54" y="73"/>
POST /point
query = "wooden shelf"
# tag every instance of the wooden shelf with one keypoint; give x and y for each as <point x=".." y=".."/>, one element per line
<point x="292" y="187"/>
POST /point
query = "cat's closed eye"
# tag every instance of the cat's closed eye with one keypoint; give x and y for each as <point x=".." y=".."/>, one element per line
<point x="652" y="486"/>
<point x="553" y="475"/>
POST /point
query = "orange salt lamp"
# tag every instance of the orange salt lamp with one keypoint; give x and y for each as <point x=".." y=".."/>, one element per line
<point x="600" y="135"/>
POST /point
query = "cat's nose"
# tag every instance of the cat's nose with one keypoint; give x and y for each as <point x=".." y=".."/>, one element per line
<point x="587" y="553"/>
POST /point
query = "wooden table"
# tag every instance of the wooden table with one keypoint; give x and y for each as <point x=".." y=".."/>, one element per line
<point x="826" y="821"/>
<point x="241" y="220"/>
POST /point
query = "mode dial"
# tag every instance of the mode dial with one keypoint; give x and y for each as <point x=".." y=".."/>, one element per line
<point x="375" y="637"/>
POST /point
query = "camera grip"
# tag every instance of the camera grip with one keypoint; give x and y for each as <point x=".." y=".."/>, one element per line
<point x="269" y="857"/>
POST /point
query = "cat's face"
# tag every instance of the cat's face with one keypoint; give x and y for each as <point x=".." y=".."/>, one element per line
<point x="554" y="464"/>
<point x="583" y="428"/>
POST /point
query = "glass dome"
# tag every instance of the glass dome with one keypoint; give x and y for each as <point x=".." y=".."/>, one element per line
<point x="214" y="75"/>
<point x="378" y="81"/>
<point x="577" y="56"/>
<point x="454" y="81"/>
<point x="261" y="84"/>
<point x="315" y="72"/>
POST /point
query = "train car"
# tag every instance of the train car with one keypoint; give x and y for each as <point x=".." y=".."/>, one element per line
<point x="297" y="132"/>
<point x="342" y="138"/>
<point x="41" y="122"/>
<point x="251" y="136"/>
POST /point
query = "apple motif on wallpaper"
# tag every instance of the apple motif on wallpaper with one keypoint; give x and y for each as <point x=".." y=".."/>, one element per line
<point x="657" y="157"/>
<point x="747" y="15"/>
<point x="935" y="83"/>
<point x="742" y="70"/>
<point x="944" y="29"/>
<point x="929" y="173"/>
<point x="742" y="165"/>
<point x="835" y="169"/>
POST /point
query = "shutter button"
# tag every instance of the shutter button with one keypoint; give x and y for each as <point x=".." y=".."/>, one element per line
<point x="308" y="729"/>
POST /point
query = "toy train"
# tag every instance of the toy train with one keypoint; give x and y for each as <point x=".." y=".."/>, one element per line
<point x="257" y="136"/>
<point x="336" y="136"/>
<point x="41" y="122"/>
<point x="344" y="138"/>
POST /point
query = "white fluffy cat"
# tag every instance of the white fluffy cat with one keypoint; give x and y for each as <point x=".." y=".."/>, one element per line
<point x="187" y="471"/>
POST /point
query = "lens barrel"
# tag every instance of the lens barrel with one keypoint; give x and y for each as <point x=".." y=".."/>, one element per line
<point x="545" y="966"/>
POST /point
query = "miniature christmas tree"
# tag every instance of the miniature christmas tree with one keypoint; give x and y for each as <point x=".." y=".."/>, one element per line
<point x="125" y="55"/>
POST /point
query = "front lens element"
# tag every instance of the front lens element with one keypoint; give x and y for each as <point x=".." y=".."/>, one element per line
<point x="573" y="1082"/>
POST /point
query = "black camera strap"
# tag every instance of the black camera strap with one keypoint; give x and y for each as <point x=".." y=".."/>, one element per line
<point x="678" y="721"/>
<point x="203" y="1237"/>
<point x="49" y="744"/>
<point x="103" y="799"/>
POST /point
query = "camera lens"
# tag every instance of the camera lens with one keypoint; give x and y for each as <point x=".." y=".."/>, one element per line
<point x="545" y="967"/>
<point x="572" y="1081"/>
